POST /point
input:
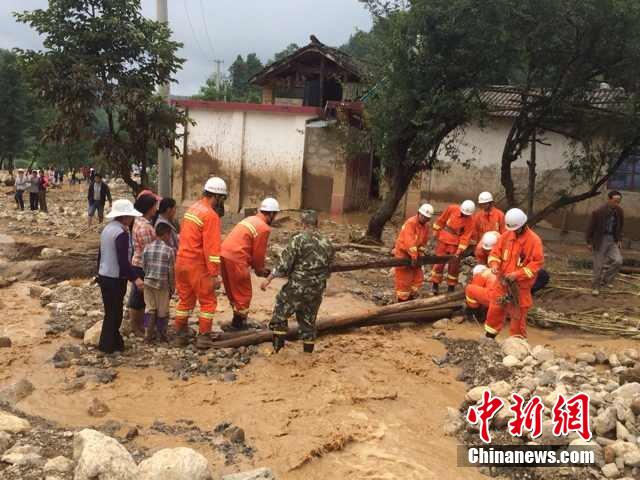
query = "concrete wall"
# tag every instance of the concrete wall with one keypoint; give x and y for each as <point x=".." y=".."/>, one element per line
<point x="320" y="163"/>
<point x="257" y="149"/>
<point x="484" y="145"/>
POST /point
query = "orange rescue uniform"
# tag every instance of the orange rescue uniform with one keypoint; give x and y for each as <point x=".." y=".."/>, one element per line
<point x="522" y="256"/>
<point x="491" y="221"/>
<point x="198" y="260"/>
<point x="454" y="232"/>
<point x="411" y="243"/>
<point x="481" y="254"/>
<point x="480" y="291"/>
<point x="244" y="248"/>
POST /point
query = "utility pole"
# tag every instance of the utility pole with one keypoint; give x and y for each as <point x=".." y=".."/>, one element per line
<point x="218" y="73"/>
<point x="164" y="154"/>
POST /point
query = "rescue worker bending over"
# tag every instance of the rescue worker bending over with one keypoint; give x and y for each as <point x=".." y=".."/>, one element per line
<point x="479" y="292"/>
<point x="305" y="261"/>
<point x="198" y="262"/>
<point x="411" y="243"/>
<point x="244" y="248"/>
<point x="516" y="259"/>
<point x="453" y="231"/>
<point x="488" y="241"/>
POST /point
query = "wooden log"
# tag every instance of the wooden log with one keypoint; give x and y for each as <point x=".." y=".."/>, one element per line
<point x="388" y="263"/>
<point x="364" y="248"/>
<point x="630" y="270"/>
<point x="340" y="322"/>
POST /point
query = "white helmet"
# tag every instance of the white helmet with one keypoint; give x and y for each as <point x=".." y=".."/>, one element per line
<point x="478" y="269"/>
<point x="467" y="207"/>
<point x="515" y="219"/>
<point x="123" y="208"/>
<point x="216" y="185"/>
<point x="269" y="205"/>
<point x="485" y="197"/>
<point x="426" y="210"/>
<point x="489" y="240"/>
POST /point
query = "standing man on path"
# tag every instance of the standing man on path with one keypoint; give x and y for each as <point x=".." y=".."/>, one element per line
<point x="245" y="248"/>
<point x="604" y="237"/>
<point x="98" y="194"/>
<point x="22" y="184"/>
<point x="198" y="263"/>
<point x="34" y="190"/>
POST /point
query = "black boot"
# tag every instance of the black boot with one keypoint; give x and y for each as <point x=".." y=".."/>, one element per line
<point x="278" y="343"/>
<point x="451" y="288"/>
<point x="307" y="347"/>
<point x="435" y="287"/>
<point x="490" y="335"/>
<point x="239" y="321"/>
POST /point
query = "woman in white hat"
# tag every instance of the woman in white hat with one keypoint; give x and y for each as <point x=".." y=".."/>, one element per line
<point x="114" y="270"/>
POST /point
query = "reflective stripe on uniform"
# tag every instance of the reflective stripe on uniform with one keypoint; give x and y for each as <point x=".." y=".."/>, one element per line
<point x="193" y="218"/>
<point x="182" y="313"/>
<point x="452" y="277"/>
<point x="528" y="272"/>
<point x="241" y="311"/>
<point x="206" y="315"/>
<point x="494" y="259"/>
<point x="250" y="227"/>
<point x="280" y="332"/>
<point x="488" y="329"/>
<point x="436" y="226"/>
<point x="214" y="259"/>
<point x="471" y="300"/>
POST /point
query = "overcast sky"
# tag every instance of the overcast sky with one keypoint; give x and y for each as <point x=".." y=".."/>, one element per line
<point x="222" y="29"/>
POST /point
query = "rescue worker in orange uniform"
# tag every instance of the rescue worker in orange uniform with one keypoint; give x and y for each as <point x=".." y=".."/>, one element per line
<point x="479" y="292"/>
<point x="197" y="269"/>
<point x="518" y="257"/>
<point x="488" y="218"/>
<point x="411" y="243"/>
<point x="488" y="241"/>
<point x="244" y="248"/>
<point x="453" y="231"/>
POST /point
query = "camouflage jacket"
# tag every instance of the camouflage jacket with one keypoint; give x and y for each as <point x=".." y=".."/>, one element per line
<point x="306" y="258"/>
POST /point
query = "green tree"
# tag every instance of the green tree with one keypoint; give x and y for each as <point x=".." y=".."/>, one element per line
<point x="434" y="56"/>
<point x="16" y="110"/>
<point x="241" y="71"/>
<point x="104" y="55"/>
<point x="565" y="50"/>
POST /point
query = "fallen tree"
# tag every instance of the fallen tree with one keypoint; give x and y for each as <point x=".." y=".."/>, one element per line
<point x="388" y="263"/>
<point x="422" y="310"/>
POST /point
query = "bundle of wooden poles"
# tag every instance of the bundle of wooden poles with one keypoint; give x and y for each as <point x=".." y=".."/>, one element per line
<point x="419" y="311"/>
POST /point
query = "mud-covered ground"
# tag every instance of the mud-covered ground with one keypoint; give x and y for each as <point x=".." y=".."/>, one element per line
<point x="368" y="404"/>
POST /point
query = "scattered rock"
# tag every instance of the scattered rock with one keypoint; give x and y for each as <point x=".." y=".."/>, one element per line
<point x="92" y="336"/>
<point x="106" y="376"/>
<point x="175" y="464"/>
<point x="5" y="442"/>
<point x="58" y="464"/>
<point x="23" y="455"/>
<point x="632" y="458"/>
<point x="17" y="391"/>
<point x="97" y="408"/>
<point x="630" y="375"/>
<point x="12" y="424"/>
<point x="259" y="474"/>
<point x="628" y="391"/>
<point x="453" y="423"/>
<point x="234" y="434"/>
<point x="635" y="405"/>
<point x="475" y="394"/>
<point x="442" y="324"/>
<point x="516" y="347"/>
<point x="542" y="354"/>
<point x="132" y="433"/>
<point x="48" y="253"/>
<point x="606" y="421"/>
<point x="100" y="457"/>
<point x="510" y="361"/>
<point x="36" y="290"/>
<point x="5" y="342"/>
<point x="586" y="357"/>
<point x="610" y="470"/>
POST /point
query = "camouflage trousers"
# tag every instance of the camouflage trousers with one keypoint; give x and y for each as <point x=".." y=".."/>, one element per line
<point x="301" y="300"/>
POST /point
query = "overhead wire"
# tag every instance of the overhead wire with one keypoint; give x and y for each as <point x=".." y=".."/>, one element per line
<point x="206" y="30"/>
<point x="193" y="32"/>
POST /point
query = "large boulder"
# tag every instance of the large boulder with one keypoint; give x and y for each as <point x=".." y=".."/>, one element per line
<point x="17" y="391"/>
<point x="58" y="465"/>
<point x="627" y="392"/>
<point x="516" y="347"/>
<point x="175" y="464"/>
<point x="92" y="336"/>
<point x="12" y="424"/>
<point x="23" y="455"/>
<point x="542" y="354"/>
<point x="99" y="457"/>
<point x="259" y="474"/>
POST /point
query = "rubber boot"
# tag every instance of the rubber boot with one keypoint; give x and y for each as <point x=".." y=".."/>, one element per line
<point x="239" y="321"/>
<point x="278" y="343"/>
<point x="451" y="288"/>
<point x="482" y="315"/>
<point x="136" y="317"/>
<point x="470" y="314"/>
<point x="490" y="335"/>
<point x="435" y="288"/>
<point x="161" y="329"/>
<point x="307" y="347"/>
<point x="149" y="327"/>
<point x="182" y="337"/>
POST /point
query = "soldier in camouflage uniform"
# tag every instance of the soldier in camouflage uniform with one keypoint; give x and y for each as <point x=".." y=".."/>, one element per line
<point x="305" y="261"/>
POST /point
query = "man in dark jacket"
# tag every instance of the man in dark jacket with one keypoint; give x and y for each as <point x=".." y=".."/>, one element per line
<point x="98" y="194"/>
<point x="604" y="237"/>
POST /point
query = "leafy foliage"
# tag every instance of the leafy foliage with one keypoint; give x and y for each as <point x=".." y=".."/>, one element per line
<point x="104" y="55"/>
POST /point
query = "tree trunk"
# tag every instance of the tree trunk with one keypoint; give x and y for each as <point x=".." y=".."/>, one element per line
<point x="400" y="183"/>
<point x="388" y="263"/>
<point x="531" y="194"/>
